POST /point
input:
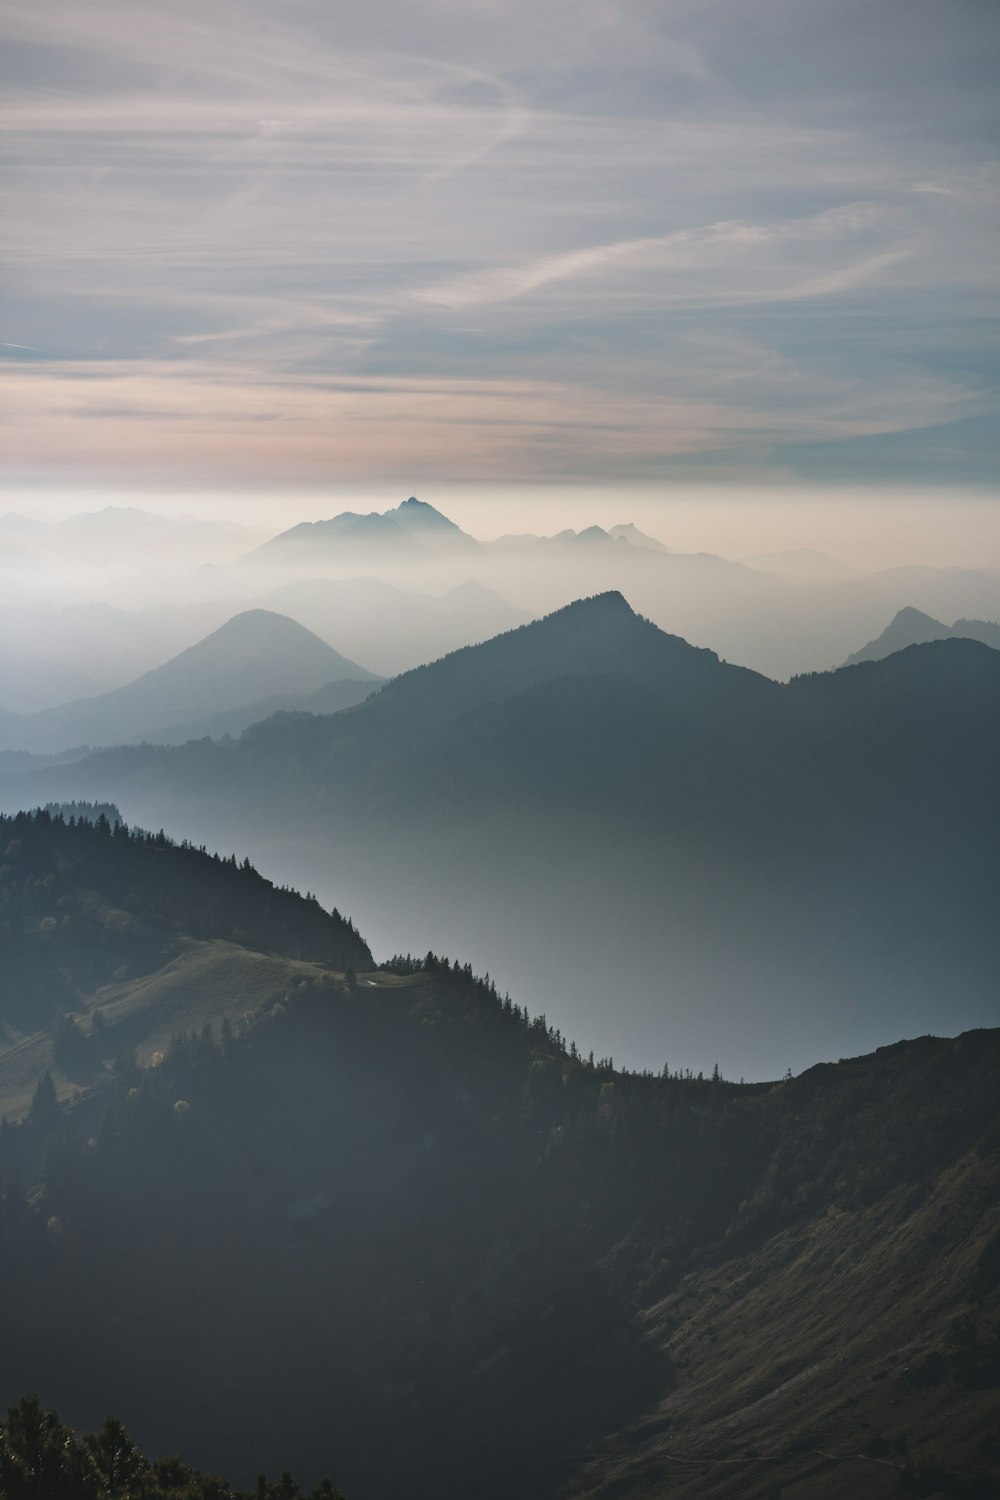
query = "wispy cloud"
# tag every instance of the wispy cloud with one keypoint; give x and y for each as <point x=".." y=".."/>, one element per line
<point x="649" y="213"/>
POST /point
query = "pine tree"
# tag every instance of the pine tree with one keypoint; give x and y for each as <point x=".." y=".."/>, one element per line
<point x="44" y="1111"/>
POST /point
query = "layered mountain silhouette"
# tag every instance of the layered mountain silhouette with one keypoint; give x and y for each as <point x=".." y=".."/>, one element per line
<point x="420" y="1242"/>
<point x="780" y="613"/>
<point x="688" y="853"/>
<point x="911" y="627"/>
<point x="254" y="663"/>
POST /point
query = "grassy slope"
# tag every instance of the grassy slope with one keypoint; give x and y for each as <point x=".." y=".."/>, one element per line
<point x="837" y="1359"/>
<point x="206" y="983"/>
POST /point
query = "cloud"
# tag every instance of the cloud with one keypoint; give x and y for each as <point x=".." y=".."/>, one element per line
<point x="616" y="192"/>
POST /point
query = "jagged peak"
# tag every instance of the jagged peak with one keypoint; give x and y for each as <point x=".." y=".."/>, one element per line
<point x="423" y="514"/>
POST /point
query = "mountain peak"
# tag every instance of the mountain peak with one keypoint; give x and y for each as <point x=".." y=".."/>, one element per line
<point x="612" y="602"/>
<point x="908" y="615"/>
<point x="908" y="627"/>
<point x="414" y="512"/>
<point x="627" y="531"/>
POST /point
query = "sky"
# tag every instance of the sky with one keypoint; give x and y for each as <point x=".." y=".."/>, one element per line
<point x="279" y="244"/>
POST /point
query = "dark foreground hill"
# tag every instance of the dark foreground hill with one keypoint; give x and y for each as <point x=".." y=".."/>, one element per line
<point x="665" y="851"/>
<point x="389" y="1228"/>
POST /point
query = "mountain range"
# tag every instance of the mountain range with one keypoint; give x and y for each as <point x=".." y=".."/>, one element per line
<point x="780" y="613"/>
<point x="407" y="584"/>
<point x="688" y="853"/>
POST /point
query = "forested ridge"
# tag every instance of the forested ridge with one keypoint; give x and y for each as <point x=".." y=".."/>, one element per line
<point x="82" y="902"/>
<point x="389" y="1227"/>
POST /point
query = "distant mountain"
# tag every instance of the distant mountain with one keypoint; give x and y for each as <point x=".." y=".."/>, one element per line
<point x="672" y="850"/>
<point x="911" y="627"/>
<point x="420" y="518"/>
<point x="476" y="1262"/>
<point x="987" y="631"/>
<point x="631" y="533"/>
<point x="253" y="657"/>
<point x="908" y="627"/>
<point x="944" y="593"/>
<point x="589" y="534"/>
<point x="410" y="527"/>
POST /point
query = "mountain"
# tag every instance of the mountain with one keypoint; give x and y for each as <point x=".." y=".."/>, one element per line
<point x="408" y="528"/>
<point x="589" y="534"/>
<point x="253" y="657"/>
<point x="987" y="631"/>
<point x="910" y="627"/>
<point x="475" y="1262"/>
<point x="692" y="857"/>
<point x="422" y="519"/>
<point x="942" y="592"/>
